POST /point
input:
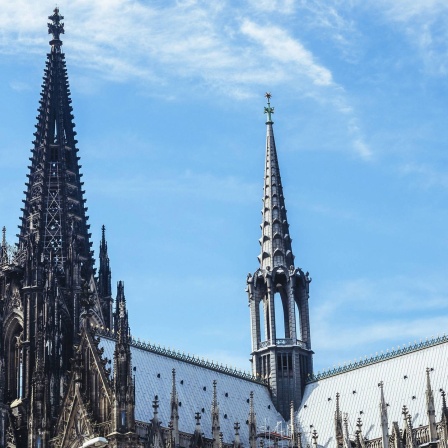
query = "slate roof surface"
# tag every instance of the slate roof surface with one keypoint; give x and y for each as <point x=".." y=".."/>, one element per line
<point x="404" y="378"/>
<point x="154" y="377"/>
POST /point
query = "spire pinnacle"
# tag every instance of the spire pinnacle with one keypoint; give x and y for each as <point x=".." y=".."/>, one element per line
<point x="215" y="397"/>
<point x="197" y="417"/>
<point x="269" y="110"/>
<point x="215" y="418"/>
<point x="155" y="406"/>
<point x="173" y="385"/>
<point x="252" y="423"/>
<point x="174" y="404"/>
<point x="339" y="432"/>
<point x="56" y="28"/>
<point x="430" y="408"/>
<point x="383" y="417"/>
<point x="103" y="235"/>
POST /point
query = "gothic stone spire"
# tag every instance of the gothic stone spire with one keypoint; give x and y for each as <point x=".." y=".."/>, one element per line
<point x="53" y="259"/>
<point x="54" y="214"/>
<point x="275" y="239"/>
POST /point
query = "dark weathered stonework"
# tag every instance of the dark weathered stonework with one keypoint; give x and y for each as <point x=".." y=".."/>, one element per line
<point x="44" y="278"/>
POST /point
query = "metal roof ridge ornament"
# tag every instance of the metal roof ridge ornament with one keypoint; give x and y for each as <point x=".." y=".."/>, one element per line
<point x="191" y="359"/>
<point x="269" y="110"/>
<point x="378" y="358"/>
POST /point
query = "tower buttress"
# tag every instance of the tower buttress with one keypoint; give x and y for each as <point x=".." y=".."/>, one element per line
<point x="283" y="358"/>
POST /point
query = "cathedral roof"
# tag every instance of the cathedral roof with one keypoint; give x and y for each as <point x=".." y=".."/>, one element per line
<point x="194" y="384"/>
<point x="404" y="380"/>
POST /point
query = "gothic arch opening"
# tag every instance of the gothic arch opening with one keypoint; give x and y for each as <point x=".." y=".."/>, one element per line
<point x="282" y="328"/>
<point x="14" y="358"/>
<point x="297" y="319"/>
<point x="262" y="325"/>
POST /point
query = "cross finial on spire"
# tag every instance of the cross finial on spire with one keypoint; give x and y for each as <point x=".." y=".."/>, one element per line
<point x="57" y="27"/>
<point x="268" y="110"/>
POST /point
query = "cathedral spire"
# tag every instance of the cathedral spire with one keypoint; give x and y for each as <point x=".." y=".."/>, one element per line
<point x="278" y="291"/>
<point x="54" y="214"/>
<point x="275" y="240"/>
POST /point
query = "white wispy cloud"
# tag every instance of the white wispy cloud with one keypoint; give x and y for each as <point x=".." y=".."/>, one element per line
<point x="425" y="175"/>
<point x="425" y="25"/>
<point x="212" y="46"/>
<point x="277" y="6"/>
<point x="280" y="47"/>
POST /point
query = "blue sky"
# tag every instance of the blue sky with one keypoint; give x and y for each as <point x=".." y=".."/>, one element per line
<point x="168" y="103"/>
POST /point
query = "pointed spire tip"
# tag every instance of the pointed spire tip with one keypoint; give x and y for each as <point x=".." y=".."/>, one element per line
<point x="56" y="28"/>
<point x="269" y="110"/>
